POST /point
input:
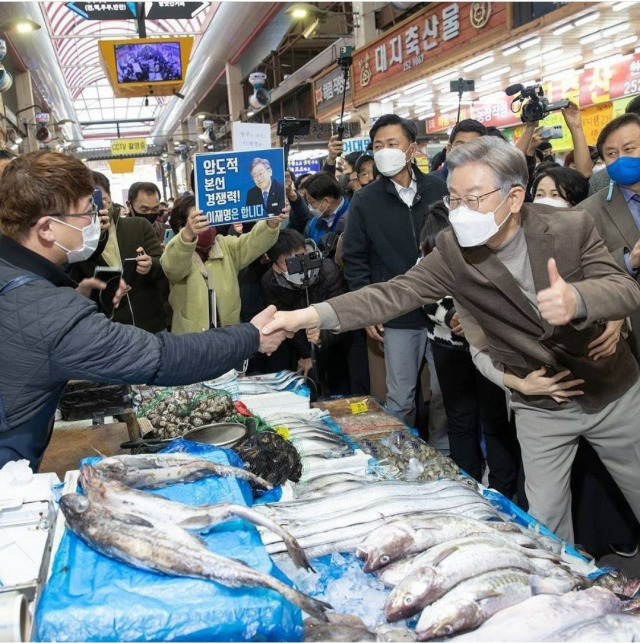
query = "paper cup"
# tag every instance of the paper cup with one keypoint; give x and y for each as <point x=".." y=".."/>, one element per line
<point x="14" y="617"/>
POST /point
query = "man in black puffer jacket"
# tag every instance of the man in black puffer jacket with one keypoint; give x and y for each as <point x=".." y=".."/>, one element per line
<point x="380" y="242"/>
<point x="286" y="292"/>
<point x="51" y="332"/>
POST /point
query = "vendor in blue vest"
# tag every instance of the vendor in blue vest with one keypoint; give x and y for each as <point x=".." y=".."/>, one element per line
<point x="328" y="206"/>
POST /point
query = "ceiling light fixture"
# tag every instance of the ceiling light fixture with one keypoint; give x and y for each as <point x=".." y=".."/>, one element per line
<point x="391" y="97"/>
<point x="610" y="31"/>
<point x="445" y="79"/>
<point x="552" y="53"/>
<point x="560" y="30"/>
<point x="510" y="50"/>
<point x="592" y="37"/>
<point x="559" y="63"/>
<point x="618" y="6"/>
<point x="623" y="42"/>
<point x="429" y="115"/>
<point x="496" y="72"/>
<point x="417" y="88"/>
<point x="481" y="62"/>
<point x="604" y="62"/>
<point x="19" y="25"/>
<point x="529" y="43"/>
<point x="585" y="19"/>
<point x="444" y="74"/>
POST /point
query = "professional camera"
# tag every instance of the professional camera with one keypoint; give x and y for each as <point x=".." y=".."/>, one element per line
<point x="535" y="106"/>
<point x="290" y="126"/>
<point x="261" y="96"/>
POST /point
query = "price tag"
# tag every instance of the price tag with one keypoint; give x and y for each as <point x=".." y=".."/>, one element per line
<point x="358" y="407"/>
<point x="282" y="431"/>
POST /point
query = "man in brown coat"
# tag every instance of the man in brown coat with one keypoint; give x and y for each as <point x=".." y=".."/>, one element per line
<point x="541" y="286"/>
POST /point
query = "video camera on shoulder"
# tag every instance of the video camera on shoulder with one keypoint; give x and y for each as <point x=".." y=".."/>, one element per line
<point x="535" y="106"/>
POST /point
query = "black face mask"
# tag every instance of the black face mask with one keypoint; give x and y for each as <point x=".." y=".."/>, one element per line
<point x="151" y="218"/>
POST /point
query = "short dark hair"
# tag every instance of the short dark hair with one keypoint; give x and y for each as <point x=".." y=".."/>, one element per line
<point x="39" y="184"/>
<point x="301" y="178"/>
<point x="572" y="186"/>
<point x="101" y="181"/>
<point x="633" y="106"/>
<point x="492" y="130"/>
<point x="289" y="240"/>
<point x="323" y="184"/>
<point x="362" y="159"/>
<point x="7" y="155"/>
<point x="352" y="158"/>
<point x="570" y="157"/>
<point x="467" y="125"/>
<point x="180" y="212"/>
<point x="408" y="127"/>
<point x="613" y="126"/>
<point x="437" y="221"/>
<point x="142" y="186"/>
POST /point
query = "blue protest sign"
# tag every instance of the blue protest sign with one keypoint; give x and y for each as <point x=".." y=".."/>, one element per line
<point x="234" y="187"/>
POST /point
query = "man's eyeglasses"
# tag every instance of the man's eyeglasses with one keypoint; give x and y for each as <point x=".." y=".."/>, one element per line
<point x="93" y="213"/>
<point x="260" y="175"/>
<point x="470" y="200"/>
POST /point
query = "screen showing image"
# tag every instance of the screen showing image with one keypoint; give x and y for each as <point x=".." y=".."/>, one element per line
<point x="148" y="62"/>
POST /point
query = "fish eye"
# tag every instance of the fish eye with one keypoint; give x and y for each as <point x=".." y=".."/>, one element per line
<point x="384" y="559"/>
<point x="408" y="599"/>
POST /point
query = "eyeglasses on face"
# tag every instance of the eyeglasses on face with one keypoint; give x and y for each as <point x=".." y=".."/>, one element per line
<point x="471" y="201"/>
<point x="93" y="213"/>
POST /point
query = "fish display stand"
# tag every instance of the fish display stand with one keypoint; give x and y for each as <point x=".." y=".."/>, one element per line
<point x="90" y="597"/>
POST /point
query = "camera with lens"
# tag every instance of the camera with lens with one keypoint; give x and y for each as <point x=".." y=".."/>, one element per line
<point x="533" y="103"/>
<point x="261" y="96"/>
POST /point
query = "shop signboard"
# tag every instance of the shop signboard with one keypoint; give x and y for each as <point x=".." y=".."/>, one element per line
<point x="234" y="187"/>
<point x="446" y="120"/>
<point x="355" y="144"/>
<point x="425" y="41"/>
<point x="327" y="92"/>
<point x="594" y="118"/>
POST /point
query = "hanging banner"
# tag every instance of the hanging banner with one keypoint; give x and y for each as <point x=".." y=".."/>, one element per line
<point x="124" y="146"/>
<point x="234" y="187"/>
<point x="122" y="166"/>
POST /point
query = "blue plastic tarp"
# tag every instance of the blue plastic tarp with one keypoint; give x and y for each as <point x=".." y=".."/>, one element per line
<point x="91" y="597"/>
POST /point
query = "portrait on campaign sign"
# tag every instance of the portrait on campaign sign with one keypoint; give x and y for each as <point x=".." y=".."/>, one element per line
<point x="234" y="187"/>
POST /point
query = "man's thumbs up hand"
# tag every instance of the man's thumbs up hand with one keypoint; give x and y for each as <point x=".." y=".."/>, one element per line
<point x="557" y="304"/>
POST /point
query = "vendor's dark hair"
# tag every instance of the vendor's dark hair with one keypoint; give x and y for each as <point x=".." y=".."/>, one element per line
<point x="101" y="181"/>
<point x="613" y="126"/>
<point x="289" y="241"/>
<point x="572" y="186"/>
<point x="467" y="125"/>
<point x="180" y="212"/>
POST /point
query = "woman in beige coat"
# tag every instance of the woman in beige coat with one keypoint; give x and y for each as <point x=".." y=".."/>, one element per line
<point x="202" y="267"/>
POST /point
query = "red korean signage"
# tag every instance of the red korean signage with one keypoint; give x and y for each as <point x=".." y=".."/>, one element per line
<point x="596" y="85"/>
<point x="425" y="41"/>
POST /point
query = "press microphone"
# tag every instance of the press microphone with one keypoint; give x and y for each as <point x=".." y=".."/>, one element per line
<point x="513" y="89"/>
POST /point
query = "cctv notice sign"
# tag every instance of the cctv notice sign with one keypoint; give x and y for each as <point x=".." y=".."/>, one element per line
<point x="126" y="146"/>
<point x="237" y="187"/>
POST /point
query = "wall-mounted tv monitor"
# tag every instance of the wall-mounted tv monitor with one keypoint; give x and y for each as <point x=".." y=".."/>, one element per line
<point x="146" y="66"/>
<point x="152" y="62"/>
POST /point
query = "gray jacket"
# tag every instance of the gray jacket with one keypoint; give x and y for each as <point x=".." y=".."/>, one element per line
<point x="50" y="334"/>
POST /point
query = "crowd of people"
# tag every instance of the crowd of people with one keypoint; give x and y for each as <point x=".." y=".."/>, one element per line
<point x="492" y="302"/>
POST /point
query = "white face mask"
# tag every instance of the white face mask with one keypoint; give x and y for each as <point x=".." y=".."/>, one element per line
<point x="555" y="201"/>
<point x="390" y="161"/>
<point x="90" y="238"/>
<point x="474" y="228"/>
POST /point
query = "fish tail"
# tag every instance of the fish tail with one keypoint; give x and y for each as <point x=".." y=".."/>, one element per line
<point x="296" y="553"/>
<point x="312" y="606"/>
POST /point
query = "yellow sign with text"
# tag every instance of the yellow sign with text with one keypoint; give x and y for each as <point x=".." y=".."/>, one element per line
<point x="124" y="146"/>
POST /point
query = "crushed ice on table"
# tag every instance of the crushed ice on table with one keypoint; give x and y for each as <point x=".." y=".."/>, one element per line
<point x="340" y="581"/>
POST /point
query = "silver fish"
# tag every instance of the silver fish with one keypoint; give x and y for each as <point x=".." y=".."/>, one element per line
<point x="162" y="469"/>
<point x="169" y="550"/>
<point x="401" y="537"/>
<point x="540" y="617"/>
<point x="444" y="566"/>
<point x="118" y="497"/>
<point x="610" y="628"/>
